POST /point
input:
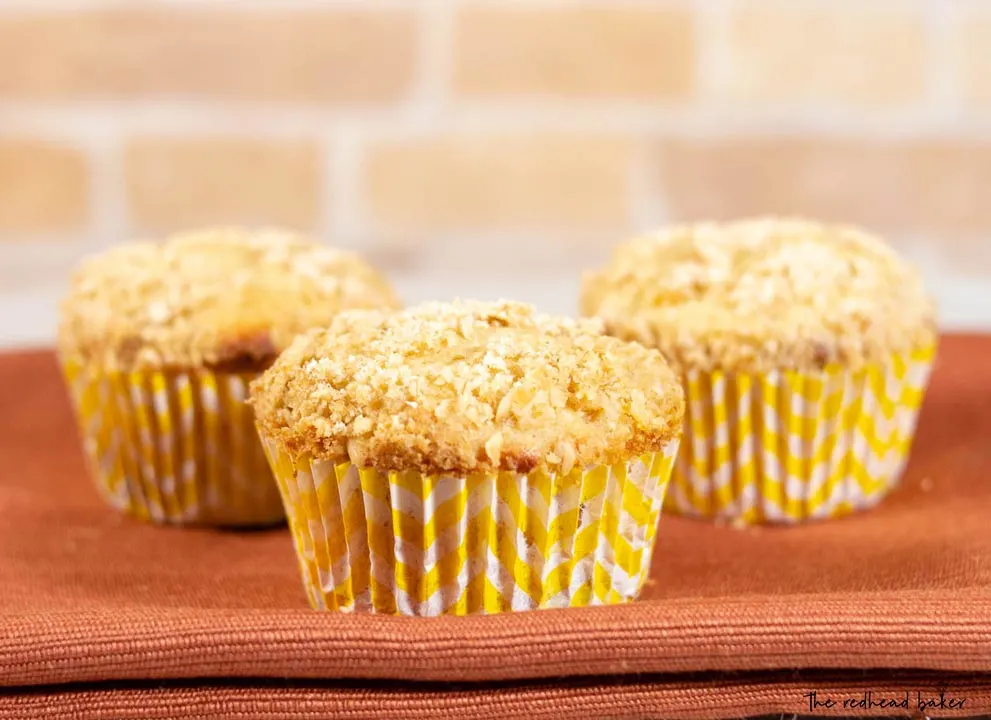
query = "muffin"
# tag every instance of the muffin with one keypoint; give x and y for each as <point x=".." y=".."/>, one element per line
<point x="469" y="458"/>
<point x="804" y="349"/>
<point x="158" y="342"/>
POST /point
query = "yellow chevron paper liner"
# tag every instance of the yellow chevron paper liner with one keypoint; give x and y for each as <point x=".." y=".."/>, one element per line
<point x="410" y="544"/>
<point x="175" y="447"/>
<point x="785" y="447"/>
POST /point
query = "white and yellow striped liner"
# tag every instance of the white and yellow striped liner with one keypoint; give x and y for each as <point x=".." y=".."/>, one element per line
<point x="412" y="544"/>
<point x="790" y="446"/>
<point x="174" y="447"/>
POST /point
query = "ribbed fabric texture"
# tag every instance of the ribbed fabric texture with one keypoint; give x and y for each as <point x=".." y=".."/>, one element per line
<point x="700" y="699"/>
<point x="105" y="616"/>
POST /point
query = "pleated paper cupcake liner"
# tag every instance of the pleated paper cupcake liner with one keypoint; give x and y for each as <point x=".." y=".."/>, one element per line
<point x="786" y="447"/>
<point x="175" y="447"/>
<point x="412" y="544"/>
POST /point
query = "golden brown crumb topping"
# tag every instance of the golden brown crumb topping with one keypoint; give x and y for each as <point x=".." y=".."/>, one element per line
<point x="468" y="387"/>
<point x="762" y="294"/>
<point x="217" y="297"/>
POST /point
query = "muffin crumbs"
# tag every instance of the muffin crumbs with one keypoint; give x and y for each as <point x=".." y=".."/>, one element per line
<point x="220" y="298"/>
<point x="763" y="294"/>
<point x="468" y="387"/>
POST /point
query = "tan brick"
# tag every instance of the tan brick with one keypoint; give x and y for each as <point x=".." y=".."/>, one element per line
<point x="346" y="56"/>
<point x="906" y="189"/>
<point x="174" y="183"/>
<point x="468" y="182"/>
<point x="643" y="53"/>
<point x="797" y="53"/>
<point x="43" y="187"/>
<point x="972" y="50"/>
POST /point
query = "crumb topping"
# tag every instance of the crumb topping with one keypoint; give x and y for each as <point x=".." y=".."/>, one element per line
<point x="216" y="297"/>
<point x="762" y="294"/>
<point x="468" y="387"/>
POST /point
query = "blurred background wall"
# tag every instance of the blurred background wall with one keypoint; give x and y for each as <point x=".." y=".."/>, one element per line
<point x="489" y="149"/>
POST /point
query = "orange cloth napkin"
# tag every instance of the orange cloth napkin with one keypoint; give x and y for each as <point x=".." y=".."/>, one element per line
<point x="102" y="616"/>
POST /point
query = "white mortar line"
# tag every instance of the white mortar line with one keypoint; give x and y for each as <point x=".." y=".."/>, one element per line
<point x="433" y="79"/>
<point x="108" y="206"/>
<point x="648" y="208"/>
<point x="73" y="120"/>
<point x="37" y="7"/>
<point x="942" y="18"/>
<point x="56" y="7"/>
<point x="342" y="194"/>
<point x="712" y="57"/>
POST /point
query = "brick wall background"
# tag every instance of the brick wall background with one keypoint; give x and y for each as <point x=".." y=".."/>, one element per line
<point x="489" y="149"/>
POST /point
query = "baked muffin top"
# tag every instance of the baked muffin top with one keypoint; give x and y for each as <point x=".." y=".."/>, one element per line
<point x="222" y="298"/>
<point x="762" y="294"/>
<point x="465" y="388"/>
